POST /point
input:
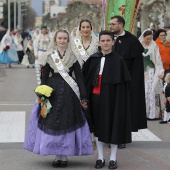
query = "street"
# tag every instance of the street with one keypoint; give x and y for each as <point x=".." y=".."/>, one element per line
<point x="150" y="149"/>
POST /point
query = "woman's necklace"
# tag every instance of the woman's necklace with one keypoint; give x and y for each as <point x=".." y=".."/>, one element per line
<point x="88" y="45"/>
<point x="61" y="56"/>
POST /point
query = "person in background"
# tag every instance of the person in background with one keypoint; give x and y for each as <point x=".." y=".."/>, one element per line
<point x="154" y="72"/>
<point x="85" y="43"/>
<point x="164" y="49"/>
<point x="19" y="46"/>
<point x="8" y="53"/>
<point x="41" y="45"/>
<point x="167" y="103"/>
<point x="129" y="47"/>
<point x="153" y="28"/>
<point x="29" y="58"/>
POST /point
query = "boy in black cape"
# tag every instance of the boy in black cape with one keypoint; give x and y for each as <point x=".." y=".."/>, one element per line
<point x="107" y="79"/>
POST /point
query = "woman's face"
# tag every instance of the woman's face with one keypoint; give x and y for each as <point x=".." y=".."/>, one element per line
<point x="62" y="39"/>
<point x="44" y="31"/>
<point x="162" y="36"/>
<point x="85" y="29"/>
<point x="148" y="39"/>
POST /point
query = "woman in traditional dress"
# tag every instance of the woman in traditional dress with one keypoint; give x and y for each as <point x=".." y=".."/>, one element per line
<point x="19" y="45"/>
<point x="153" y="73"/>
<point x="29" y="58"/>
<point x="65" y="131"/>
<point x="40" y="46"/>
<point x="35" y="34"/>
<point x="85" y="43"/>
<point x="8" y="53"/>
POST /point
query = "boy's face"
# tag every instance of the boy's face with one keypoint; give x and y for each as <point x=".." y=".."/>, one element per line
<point x="106" y="42"/>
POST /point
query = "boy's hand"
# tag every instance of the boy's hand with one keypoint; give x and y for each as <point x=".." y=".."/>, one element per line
<point x="84" y="104"/>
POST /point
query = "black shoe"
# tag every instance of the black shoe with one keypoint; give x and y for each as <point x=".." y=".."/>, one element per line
<point x="63" y="164"/>
<point x="112" y="165"/>
<point x="163" y="122"/>
<point x="99" y="164"/>
<point x="122" y="146"/>
<point x="56" y="163"/>
<point x="27" y="66"/>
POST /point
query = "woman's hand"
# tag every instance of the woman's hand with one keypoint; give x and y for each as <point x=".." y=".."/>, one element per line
<point x="84" y="104"/>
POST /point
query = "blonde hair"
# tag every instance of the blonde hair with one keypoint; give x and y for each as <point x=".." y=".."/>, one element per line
<point x="167" y="78"/>
<point x="61" y="30"/>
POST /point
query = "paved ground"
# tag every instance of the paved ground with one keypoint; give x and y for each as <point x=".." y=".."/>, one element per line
<point x="16" y="99"/>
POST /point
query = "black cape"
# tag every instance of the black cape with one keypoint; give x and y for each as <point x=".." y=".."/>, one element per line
<point x="114" y="111"/>
<point x="129" y="47"/>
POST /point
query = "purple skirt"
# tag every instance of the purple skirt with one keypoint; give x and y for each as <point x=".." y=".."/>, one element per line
<point x="78" y="142"/>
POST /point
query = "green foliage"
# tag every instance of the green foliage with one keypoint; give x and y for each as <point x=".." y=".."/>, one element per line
<point x="28" y="16"/>
<point x="5" y="13"/>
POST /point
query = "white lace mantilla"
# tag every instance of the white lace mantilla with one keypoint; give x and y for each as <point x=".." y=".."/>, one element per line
<point x="91" y="50"/>
<point x="68" y="60"/>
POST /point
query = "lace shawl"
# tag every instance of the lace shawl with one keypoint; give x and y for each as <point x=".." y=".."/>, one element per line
<point x="68" y="60"/>
<point x="93" y="48"/>
<point x="153" y="52"/>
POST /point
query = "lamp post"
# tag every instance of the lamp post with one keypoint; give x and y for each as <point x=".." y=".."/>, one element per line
<point x="19" y="14"/>
<point x="9" y="14"/>
<point x="15" y="14"/>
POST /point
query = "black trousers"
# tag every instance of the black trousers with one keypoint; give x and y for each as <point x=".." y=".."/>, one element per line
<point x="20" y="55"/>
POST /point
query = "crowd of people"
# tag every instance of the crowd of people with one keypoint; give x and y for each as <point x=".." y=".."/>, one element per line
<point x="106" y="86"/>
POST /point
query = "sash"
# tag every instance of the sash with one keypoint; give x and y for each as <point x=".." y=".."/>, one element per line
<point x="81" y="49"/>
<point x="64" y="74"/>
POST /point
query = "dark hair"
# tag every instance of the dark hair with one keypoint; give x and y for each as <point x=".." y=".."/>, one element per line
<point x="148" y="32"/>
<point x="85" y="20"/>
<point x="44" y="27"/>
<point x="158" y="32"/>
<point x="106" y="32"/>
<point x="119" y="19"/>
<point x="61" y="30"/>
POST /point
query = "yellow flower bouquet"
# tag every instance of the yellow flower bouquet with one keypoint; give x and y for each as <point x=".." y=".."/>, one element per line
<point x="44" y="92"/>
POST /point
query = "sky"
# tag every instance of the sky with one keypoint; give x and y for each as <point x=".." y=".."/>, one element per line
<point x="37" y="5"/>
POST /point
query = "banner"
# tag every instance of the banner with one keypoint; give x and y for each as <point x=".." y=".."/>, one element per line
<point x="128" y="9"/>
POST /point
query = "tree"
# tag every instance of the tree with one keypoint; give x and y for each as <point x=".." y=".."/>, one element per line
<point x="28" y="16"/>
<point x="5" y="20"/>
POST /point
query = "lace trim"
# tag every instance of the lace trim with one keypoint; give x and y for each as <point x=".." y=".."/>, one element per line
<point x="62" y="131"/>
<point x="91" y="50"/>
<point x="64" y="74"/>
<point x="68" y="60"/>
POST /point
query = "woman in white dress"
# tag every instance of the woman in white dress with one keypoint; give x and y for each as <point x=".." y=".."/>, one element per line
<point x="153" y="73"/>
<point x="8" y="53"/>
<point x="40" y="46"/>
